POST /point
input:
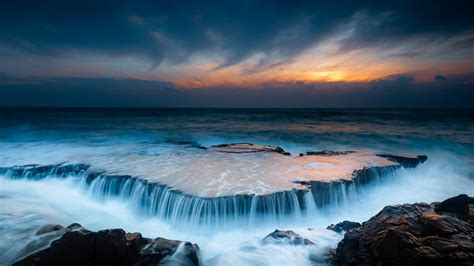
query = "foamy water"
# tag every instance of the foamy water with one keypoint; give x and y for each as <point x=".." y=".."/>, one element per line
<point x="138" y="145"/>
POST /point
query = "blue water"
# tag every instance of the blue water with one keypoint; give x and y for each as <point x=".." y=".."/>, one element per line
<point x="162" y="137"/>
<point x="308" y="128"/>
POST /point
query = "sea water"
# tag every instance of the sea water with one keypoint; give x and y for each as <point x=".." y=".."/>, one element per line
<point x="164" y="143"/>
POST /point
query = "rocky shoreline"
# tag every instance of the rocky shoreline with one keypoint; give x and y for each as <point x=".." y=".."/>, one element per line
<point x="440" y="233"/>
<point x="413" y="234"/>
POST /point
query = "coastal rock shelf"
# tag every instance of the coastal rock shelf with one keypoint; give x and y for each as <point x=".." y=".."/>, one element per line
<point x="303" y="185"/>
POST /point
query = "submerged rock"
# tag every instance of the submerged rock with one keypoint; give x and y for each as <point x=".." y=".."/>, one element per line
<point x="286" y="237"/>
<point x="405" y="161"/>
<point x="186" y="144"/>
<point x="413" y="234"/>
<point x="79" y="246"/>
<point x="343" y="226"/>
<point x="36" y="172"/>
<point x="247" y="148"/>
<point x="326" y="153"/>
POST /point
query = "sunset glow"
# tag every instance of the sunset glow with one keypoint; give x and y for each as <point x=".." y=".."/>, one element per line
<point x="258" y="48"/>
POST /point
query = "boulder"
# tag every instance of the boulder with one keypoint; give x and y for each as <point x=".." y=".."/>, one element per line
<point x="79" y="246"/>
<point x="286" y="237"/>
<point x="412" y="234"/>
<point x="343" y="226"/>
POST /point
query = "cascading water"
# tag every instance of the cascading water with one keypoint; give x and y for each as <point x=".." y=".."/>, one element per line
<point x="154" y="199"/>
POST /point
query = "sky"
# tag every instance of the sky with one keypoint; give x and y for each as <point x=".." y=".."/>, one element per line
<point x="237" y="53"/>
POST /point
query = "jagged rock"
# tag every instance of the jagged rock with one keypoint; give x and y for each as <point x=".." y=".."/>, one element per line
<point x="407" y="162"/>
<point x="457" y="205"/>
<point x="286" y="237"/>
<point x="79" y="246"/>
<point x="343" y="226"/>
<point x="326" y="153"/>
<point x="412" y="234"/>
<point x="248" y="148"/>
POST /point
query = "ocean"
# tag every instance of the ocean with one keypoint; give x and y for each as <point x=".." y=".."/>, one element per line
<point x="170" y="147"/>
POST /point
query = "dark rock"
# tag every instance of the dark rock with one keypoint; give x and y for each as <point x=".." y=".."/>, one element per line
<point x="457" y="205"/>
<point x="248" y="148"/>
<point x="326" y="153"/>
<point x="286" y="237"/>
<point x="411" y="234"/>
<point x="48" y="228"/>
<point x="187" y="144"/>
<point x="79" y="246"/>
<point x="43" y="238"/>
<point x="343" y="226"/>
<point x="407" y="162"/>
<point x="469" y="215"/>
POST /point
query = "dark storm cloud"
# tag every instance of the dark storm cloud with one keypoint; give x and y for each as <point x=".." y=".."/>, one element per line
<point x="174" y="30"/>
<point x="390" y="22"/>
<point x="394" y="82"/>
<point x="79" y="92"/>
<point x="393" y="91"/>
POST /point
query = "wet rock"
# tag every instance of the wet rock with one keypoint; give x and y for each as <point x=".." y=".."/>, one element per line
<point x="469" y="215"/>
<point x="407" y="162"/>
<point x="286" y="237"/>
<point x="186" y="144"/>
<point x="79" y="246"/>
<point x="326" y="153"/>
<point x="458" y="205"/>
<point x="412" y="234"/>
<point x="49" y="228"/>
<point x="43" y="238"/>
<point x="343" y="226"/>
<point x="247" y="148"/>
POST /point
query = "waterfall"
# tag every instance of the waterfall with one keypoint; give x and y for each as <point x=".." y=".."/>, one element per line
<point x="155" y="199"/>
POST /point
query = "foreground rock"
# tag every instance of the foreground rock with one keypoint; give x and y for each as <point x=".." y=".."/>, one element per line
<point x="286" y="237"/>
<point x="413" y="234"/>
<point x="343" y="226"/>
<point x="247" y="148"/>
<point x="79" y="246"/>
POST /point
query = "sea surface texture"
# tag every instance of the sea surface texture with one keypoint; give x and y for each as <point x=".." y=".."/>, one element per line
<point x="162" y="172"/>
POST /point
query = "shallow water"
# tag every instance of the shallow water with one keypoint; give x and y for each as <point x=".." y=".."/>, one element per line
<point x="147" y="141"/>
